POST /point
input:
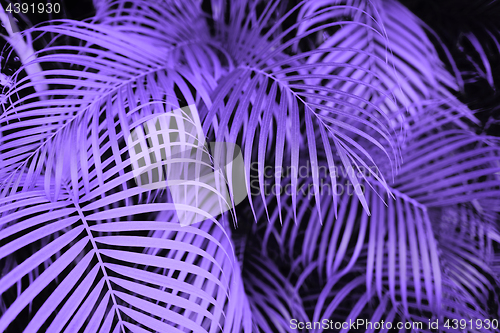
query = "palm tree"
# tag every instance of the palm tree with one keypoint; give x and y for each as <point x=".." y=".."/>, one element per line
<point x="362" y="94"/>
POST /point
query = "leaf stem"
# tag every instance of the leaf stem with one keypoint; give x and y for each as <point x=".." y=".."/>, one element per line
<point x="98" y="255"/>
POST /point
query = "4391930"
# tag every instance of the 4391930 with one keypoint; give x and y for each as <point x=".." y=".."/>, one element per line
<point x="472" y="324"/>
<point x="39" y="8"/>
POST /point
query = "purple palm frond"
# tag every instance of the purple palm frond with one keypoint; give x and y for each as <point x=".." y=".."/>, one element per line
<point x="108" y="75"/>
<point x="109" y="273"/>
<point x="445" y="167"/>
<point x="362" y="94"/>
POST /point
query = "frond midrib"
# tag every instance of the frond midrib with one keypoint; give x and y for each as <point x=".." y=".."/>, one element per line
<point x="98" y="255"/>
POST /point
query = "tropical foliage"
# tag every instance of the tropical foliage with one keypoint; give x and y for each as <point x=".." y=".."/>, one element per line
<point x="361" y="93"/>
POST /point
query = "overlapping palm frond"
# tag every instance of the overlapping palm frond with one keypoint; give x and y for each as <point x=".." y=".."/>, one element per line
<point x="94" y="245"/>
<point x="444" y="164"/>
<point x="409" y="252"/>
<point x="353" y="90"/>
<point x="273" y="95"/>
<point x="99" y="268"/>
<point x="391" y="32"/>
<point x="274" y="304"/>
<point x="114" y="73"/>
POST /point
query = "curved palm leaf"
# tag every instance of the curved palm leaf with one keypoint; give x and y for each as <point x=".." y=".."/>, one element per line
<point x="109" y="76"/>
<point x="118" y="270"/>
<point x="444" y="167"/>
<point x="143" y="273"/>
<point x="350" y="84"/>
<point x="272" y="94"/>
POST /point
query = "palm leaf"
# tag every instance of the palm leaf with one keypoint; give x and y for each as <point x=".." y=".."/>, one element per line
<point x="274" y="87"/>
<point x="445" y="167"/>
<point x="355" y="85"/>
<point x="109" y="77"/>
<point x="108" y="268"/>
